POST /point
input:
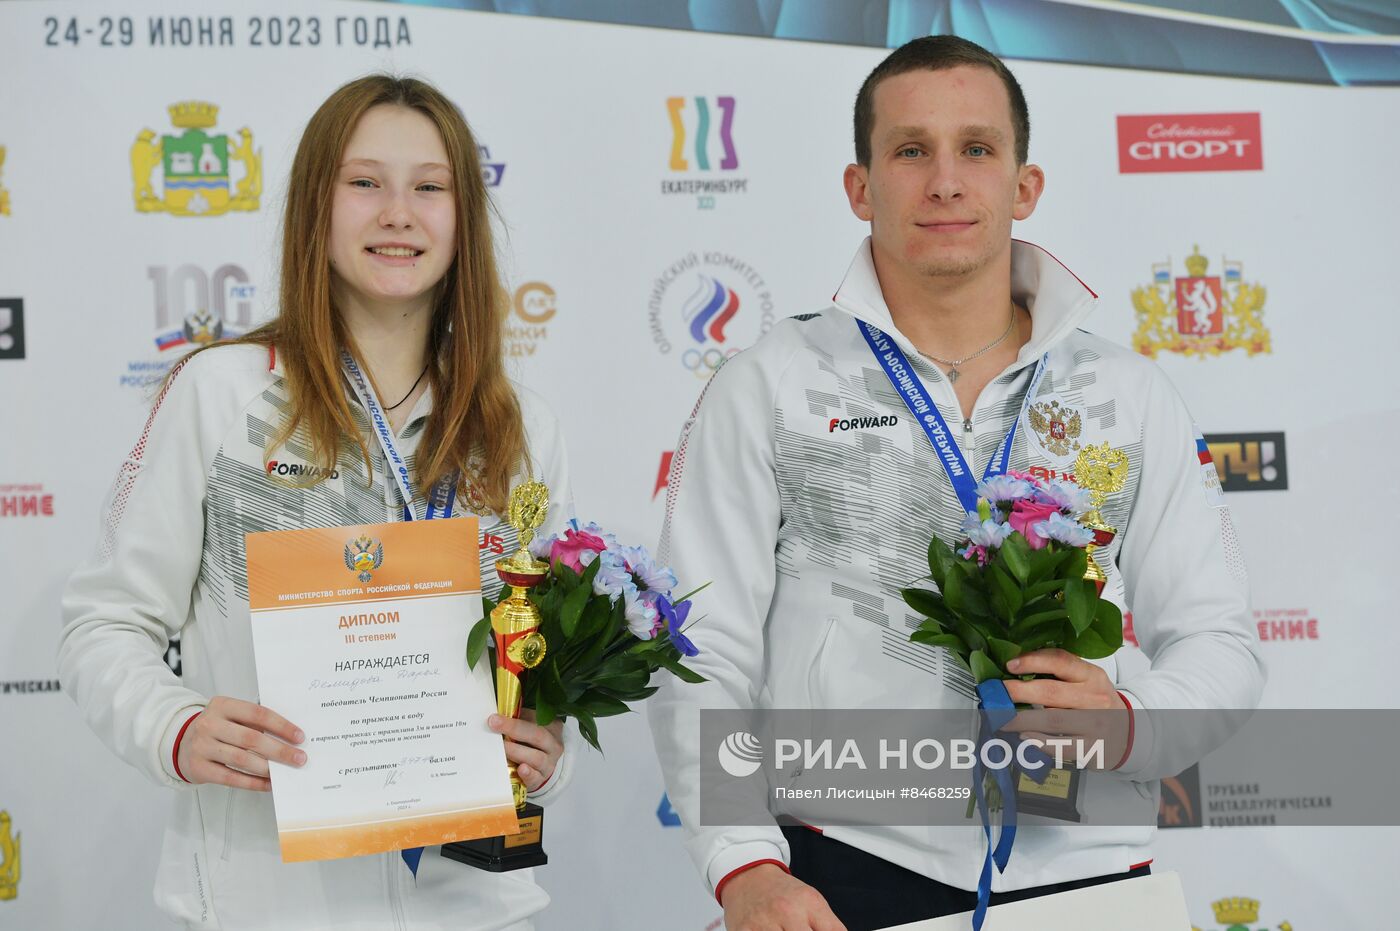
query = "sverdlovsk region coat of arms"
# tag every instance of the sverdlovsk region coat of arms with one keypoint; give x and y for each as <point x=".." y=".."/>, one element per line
<point x="1200" y="315"/>
<point x="194" y="166"/>
<point x="1238" y="913"/>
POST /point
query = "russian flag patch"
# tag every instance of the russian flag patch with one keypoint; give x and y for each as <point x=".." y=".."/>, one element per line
<point x="1210" y="478"/>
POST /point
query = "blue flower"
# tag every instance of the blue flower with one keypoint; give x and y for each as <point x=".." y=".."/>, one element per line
<point x="540" y="547"/>
<point x="597" y="531"/>
<point x="641" y="613"/>
<point x="655" y="578"/>
<point x="675" y="616"/>
<point x="1061" y="528"/>
<point x="985" y="532"/>
<point x="613" y="579"/>
<point x="1004" y="488"/>
<point x="1067" y="496"/>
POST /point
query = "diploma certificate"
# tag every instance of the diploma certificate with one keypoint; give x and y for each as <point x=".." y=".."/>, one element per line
<point x="360" y="636"/>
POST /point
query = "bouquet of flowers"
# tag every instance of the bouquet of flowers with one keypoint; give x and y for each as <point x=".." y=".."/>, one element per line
<point x="1017" y="581"/>
<point x="609" y="620"/>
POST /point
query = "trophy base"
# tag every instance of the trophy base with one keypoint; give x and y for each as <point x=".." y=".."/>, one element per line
<point x="1057" y="797"/>
<point x="508" y="852"/>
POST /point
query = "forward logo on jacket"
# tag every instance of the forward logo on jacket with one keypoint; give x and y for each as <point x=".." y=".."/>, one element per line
<point x="1200" y="315"/>
<point x="860" y="423"/>
<point x="298" y="472"/>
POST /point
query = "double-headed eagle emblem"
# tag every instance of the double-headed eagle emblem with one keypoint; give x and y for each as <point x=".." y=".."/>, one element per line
<point x="202" y="328"/>
<point x="364" y="554"/>
<point x="1058" y="428"/>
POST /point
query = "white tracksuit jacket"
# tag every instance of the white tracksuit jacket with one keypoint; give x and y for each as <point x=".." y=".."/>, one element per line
<point x="809" y="518"/>
<point x="171" y="560"/>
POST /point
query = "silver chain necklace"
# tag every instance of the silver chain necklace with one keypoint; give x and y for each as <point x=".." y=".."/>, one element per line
<point x="953" y="373"/>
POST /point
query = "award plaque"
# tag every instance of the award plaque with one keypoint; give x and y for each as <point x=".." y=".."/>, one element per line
<point x="1057" y="797"/>
<point x="519" y="646"/>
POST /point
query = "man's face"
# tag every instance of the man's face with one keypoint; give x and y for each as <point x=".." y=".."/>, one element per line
<point x="943" y="185"/>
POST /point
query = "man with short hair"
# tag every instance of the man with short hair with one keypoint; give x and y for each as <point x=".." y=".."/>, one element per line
<point x="809" y="532"/>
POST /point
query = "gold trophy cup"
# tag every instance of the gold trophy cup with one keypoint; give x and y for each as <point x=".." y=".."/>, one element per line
<point x="1103" y="471"/>
<point x="515" y="626"/>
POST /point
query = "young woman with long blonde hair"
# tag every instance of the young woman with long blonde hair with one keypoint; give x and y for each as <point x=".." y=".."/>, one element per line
<point x="388" y="269"/>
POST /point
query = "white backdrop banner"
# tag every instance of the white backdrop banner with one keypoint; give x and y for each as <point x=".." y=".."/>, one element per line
<point x="636" y="171"/>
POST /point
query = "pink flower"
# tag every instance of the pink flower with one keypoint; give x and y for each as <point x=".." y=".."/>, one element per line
<point x="570" y="549"/>
<point x="1025" y="515"/>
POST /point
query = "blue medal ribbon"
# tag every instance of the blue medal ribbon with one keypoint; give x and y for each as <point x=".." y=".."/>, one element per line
<point x="927" y="415"/>
<point x="997" y="710"/>
<point x="994" y="701"/>
<point x="439" y="503"/>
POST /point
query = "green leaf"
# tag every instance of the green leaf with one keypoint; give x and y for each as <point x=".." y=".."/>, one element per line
<point x="1091" y="646"/>
<point x="624" y="684"/>
<point x="976" y="602"/>
<point x="940" y="561"/>
<point x="1042" y="564"/>
<point x="963" y="598"/>
<point x="969" y="634"/>
<point x="929" y="628"/>
<point x="691" y="594"/>
<point x="600" y="705"/>
<point x="1016" y="554"/>
<point x="683" y="673"/>
<point x="1028" y="622"/>
<point x="1038" y="590"/>
<point x="1003" y="651"/>
<point x="1049" y="637"/>
<point x="551" y="686"/>
<point x="960" y="658"/>
<point x="936" y="639"/>
<point x="1075" y="562"/>
<point x="930" y="604"/>
<point x="1009" y="591"/>
<point x="1079" y="602"/>
<point x="1108" y="623"/>
<point x="476" y="641"/>
<point x="982" y="667"/>
<point x="574" y="603"/>
<point x="588" y="729"/>
<point x="544" y="711"/>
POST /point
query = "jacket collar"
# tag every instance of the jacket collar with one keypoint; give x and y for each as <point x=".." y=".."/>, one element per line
<point x="421" y="408"/>
<point x="1057" y="300"/>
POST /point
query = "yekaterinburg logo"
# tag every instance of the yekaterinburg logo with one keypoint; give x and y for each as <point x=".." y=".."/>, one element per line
<point x="740" y="754"/>
<point x="702" y="158"/>
<point x="712" y="305"/>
